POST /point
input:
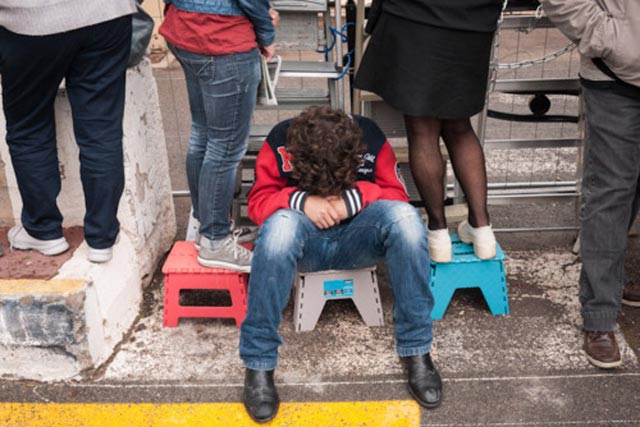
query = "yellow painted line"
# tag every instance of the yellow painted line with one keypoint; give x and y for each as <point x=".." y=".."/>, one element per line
<point x="37" y="286"/>
<point x="393" y="413"/>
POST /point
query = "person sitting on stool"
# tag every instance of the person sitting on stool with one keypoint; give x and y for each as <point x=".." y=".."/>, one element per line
<point x="328" y="196"/>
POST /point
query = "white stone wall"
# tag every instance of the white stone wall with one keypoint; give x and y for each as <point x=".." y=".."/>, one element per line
<point x="112" y="291"/>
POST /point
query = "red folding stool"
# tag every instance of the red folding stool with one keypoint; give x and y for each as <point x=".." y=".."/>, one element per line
<point x="182" y="271"/>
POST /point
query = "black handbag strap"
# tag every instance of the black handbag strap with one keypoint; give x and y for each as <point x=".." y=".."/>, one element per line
<point x="598" y="62"/>
<point x="627" y="88"/>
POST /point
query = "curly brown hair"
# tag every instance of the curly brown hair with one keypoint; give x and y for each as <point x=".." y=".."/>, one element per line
<point x="326" y="148"/>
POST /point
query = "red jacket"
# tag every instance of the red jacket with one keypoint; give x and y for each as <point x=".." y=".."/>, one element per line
<point x="377" y="179"/>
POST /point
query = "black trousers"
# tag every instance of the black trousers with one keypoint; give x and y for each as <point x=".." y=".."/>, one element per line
<point x="92" y="60"/>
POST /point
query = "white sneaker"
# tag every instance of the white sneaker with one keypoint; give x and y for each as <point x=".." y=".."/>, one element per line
<point x="100" y="256"/>
<point x="484" y="242"/>
<point x="19" y="238"/>
<point x="439" y="245"/>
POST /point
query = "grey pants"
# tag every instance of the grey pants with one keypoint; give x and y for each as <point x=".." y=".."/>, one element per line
<point x="610" y="196"/>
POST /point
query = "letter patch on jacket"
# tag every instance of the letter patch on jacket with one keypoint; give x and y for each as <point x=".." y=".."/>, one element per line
<point x="285" y="159"/>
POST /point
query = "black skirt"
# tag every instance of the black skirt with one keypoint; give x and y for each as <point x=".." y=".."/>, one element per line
<point x="424" y="70"/>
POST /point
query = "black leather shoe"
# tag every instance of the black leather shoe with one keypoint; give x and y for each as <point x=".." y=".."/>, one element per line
<point x="424" y="381"/>
<point x="260" y="396"/>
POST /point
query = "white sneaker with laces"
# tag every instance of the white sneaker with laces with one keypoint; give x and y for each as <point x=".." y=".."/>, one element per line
<point x="19" y="238"/>
<point x="439" y="245"/>
<point x="484" y="242"/>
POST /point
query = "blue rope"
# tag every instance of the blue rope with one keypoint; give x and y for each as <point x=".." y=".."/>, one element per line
<point x="343" y="39"/>
<point x="347" y="66"/>
<point x="334" y="35"/>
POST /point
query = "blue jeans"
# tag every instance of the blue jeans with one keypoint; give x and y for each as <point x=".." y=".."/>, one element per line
<point x="222" y="94"/>
<point x="288" y="241"/>
<point x="93" y="61"/>
<point x="610" y="196"/>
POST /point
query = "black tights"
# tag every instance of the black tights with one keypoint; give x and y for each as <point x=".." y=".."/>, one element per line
<point x="467" y="159"/>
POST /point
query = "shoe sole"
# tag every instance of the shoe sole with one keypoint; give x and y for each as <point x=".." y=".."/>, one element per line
<point x="100" y="259"/>
<point x="485" y="251"/>
<point x="263" y="420"/>
<point x="52" y="251"/>
<point x="630" y="303"/>
<point x="225" y="265"/>
<point x="604" y="365"/>
<point x="426" y="405"/>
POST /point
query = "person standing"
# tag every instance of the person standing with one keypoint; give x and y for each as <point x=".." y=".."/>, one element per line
<point x="87" y="43"/>
<point x="218" y="44"/>
<point x="607" y="33"/>
<point x="429" y="59"/>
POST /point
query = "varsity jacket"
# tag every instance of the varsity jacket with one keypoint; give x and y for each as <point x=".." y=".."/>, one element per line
<point x="256" y="10"/>
<point x="605" y="29"/>
<point x="378" y="177"/>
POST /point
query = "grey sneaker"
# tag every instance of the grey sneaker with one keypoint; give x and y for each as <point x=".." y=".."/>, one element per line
<point x="226" y="253"/>
<point x="19" y="238"/>
<point x="246" y="234"/>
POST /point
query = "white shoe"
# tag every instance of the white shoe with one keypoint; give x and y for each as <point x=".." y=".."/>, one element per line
<point x="484" y="242"/>
<point x="439" y="245"/>
<point x="100" y="256"/>
<point x="19" y="238"/>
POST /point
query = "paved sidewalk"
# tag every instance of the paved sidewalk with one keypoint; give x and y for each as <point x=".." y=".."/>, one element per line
<point x="524" y="369"/>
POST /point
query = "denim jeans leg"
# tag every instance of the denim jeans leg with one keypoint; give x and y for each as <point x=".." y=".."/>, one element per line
<point x="609" y="188"/>
<point x="192" y="66"/>
<point x="395" y="231"/>
<point x="278" y="249"/>
<point x="32" y="68"/>
<point x="96" y="87"/>
<point x="222" y="94"/>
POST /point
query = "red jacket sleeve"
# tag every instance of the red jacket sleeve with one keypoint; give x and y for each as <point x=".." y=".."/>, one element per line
<point x="388" y="185"/>
<point x="269" y="192"/>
